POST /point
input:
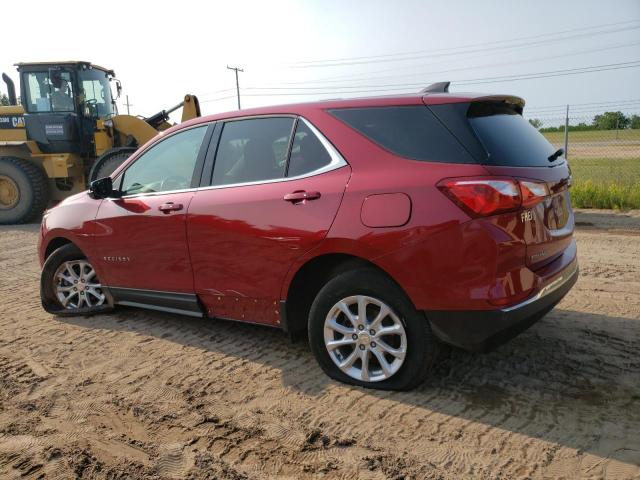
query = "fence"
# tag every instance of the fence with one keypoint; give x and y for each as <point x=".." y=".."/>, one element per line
<point x="605" y="162"/>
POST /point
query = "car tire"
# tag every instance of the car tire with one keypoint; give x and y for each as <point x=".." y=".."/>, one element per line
<point x="70" y="256"/>
<point x="107" y="164"/>
<point x="23" y="190"/>
<point x="411" y="330"/>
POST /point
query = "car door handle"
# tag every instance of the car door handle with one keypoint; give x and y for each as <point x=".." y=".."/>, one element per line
<point x="300" y="196"/>
<point x="170" y="207"/>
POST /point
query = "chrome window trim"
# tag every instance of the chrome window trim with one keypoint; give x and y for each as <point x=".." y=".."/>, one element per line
<point x="337" y="161"/>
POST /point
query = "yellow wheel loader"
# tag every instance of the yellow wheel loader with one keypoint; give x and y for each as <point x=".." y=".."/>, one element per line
<point x="65" y="133"/>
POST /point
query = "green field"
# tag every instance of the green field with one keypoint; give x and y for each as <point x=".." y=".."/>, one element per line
<point x="605" y="182"/>
<point x="594" y="136"/>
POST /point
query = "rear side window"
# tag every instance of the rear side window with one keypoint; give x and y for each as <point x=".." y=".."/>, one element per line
<point x="307" y="152"/>
<point x="409" y="131"/>
<point x="252" y="150"/>
<point x="509" y="139"/>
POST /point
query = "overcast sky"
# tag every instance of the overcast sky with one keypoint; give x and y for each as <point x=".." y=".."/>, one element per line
<point x="305" y="50"/>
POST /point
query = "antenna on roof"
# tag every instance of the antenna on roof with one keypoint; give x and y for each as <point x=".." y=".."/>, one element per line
<point x="440" y="87"/>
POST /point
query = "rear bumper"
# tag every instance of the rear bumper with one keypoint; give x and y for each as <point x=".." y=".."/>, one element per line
<point x="482" y="330"/>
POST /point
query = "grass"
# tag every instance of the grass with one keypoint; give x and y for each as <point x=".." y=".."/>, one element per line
<point x="605" y="183"/>
<point x="557" y="138"/>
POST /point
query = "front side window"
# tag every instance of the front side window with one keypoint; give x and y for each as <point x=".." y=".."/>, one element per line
<point x="49" y="91"/>
<point x="252" y="150"/>
<point x="95" y="93"/>
<point x="168" y="165"/>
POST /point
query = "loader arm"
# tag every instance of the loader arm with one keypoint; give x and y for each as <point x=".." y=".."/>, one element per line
<point x="190" y="109"/>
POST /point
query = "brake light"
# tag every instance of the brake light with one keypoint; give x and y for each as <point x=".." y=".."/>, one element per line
<point x="481" y="197"/>
<point x="533" y="192"/>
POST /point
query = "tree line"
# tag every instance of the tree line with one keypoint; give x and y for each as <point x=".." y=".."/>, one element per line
<point x="603" y="121"/>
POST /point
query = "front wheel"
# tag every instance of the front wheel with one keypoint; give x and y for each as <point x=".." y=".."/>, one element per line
<point x="363" y="330"/>
<point x="69" y="284"/>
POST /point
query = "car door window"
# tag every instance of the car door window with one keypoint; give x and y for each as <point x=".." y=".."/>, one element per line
<point x="168" y="165"/>
<point x="252" y="150"/>
<point x="307" y="153"/>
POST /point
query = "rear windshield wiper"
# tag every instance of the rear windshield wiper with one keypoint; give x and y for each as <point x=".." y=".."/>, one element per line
<point x="556" y="154"/>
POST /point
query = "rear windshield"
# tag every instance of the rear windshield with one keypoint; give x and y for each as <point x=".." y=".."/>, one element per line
<point x="509" y="139"/>
<point x="409" y="131"/>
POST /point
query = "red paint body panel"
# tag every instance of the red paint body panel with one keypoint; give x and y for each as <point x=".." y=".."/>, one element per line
<point x="244" y="239"/>
<point x="73" y="220"/>
<point x="138" y="246"/>
<point x="386" y="210"/>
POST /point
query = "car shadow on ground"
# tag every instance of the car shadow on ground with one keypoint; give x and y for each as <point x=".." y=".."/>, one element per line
<point x="568" y="380"/>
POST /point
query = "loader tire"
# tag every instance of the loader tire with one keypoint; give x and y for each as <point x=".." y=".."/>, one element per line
<point x="108" y="163"/>
<point x="24" y="191"/>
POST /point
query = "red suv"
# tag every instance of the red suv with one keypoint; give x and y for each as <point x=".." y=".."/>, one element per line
<point x="383" y="227"/>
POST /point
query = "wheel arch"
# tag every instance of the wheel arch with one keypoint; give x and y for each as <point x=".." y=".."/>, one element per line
<point x="310" y="277"/>
<point x="54" y="244"/>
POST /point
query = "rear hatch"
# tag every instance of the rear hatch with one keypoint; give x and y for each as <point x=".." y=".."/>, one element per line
<point x="507" y="145"/>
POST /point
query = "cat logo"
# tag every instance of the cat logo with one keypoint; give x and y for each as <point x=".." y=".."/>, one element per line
<point x="526" y="216"/>
<point x="8" y="122"/>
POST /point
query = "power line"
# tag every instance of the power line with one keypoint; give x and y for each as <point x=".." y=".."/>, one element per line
<point x="447" y="52"/>
<point x="219" y="91"/>
<point x="612" y="102"/>
<point x="467" y="67"/>
<point x="402" y="86"/>
<point x="580" y="112"/>
<point x="217" y="99"/>
<point x="578" y="108"/>
<point x="474" y="45"/>
<point x="561" y="73"/>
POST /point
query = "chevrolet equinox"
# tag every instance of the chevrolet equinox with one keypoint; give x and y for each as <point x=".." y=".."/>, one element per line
<point x="383" y="227"/>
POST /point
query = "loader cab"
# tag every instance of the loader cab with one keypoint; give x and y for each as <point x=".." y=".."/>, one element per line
<point x="62" y="102"/>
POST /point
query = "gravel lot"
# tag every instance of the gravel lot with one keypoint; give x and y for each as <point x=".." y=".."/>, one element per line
<point x="140" y="394"/>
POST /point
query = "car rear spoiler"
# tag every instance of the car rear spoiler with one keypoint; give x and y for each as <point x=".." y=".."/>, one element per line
<point x="433" y="95"/>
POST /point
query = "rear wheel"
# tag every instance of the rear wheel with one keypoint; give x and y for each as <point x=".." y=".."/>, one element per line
<point x="364" y="331"/>
<point x="69" y="284"/>
<point x="23" y="190"/>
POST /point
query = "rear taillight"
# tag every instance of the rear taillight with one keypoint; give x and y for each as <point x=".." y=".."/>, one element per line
<point x="532" y="192"/>
<point x="481" y="197"/>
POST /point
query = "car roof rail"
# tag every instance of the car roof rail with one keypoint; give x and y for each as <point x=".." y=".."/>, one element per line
<point x="439" y="87"/>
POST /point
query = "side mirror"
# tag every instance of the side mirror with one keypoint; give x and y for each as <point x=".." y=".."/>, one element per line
<point x="103" y="188"/>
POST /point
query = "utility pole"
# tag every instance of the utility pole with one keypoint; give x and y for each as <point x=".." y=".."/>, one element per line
<point x="128" y="104"/>
<point x="566" y="134"/>
<point x="236" y="69"/>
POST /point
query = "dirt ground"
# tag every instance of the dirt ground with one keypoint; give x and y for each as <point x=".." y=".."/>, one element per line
<point x="140" y="394"/>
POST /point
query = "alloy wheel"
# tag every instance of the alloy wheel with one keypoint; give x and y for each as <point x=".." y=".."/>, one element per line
<point x="365" y="338"/>
<point x="77" y="286"/>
